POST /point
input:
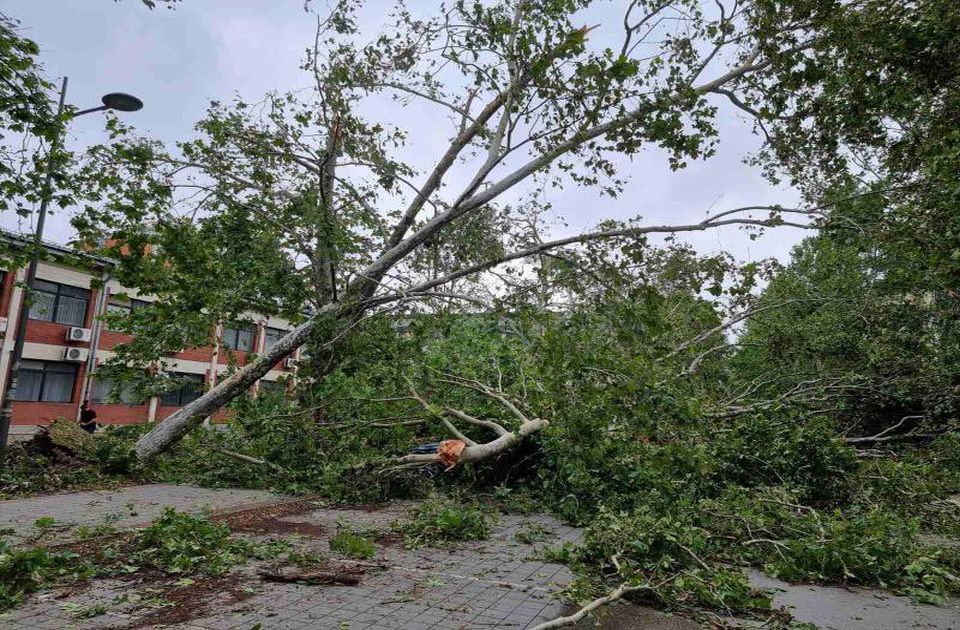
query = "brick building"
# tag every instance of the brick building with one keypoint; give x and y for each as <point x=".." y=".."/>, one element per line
<point x="66" y="339"/>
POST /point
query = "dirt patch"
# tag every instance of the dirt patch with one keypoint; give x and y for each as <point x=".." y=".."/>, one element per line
<point x="627" y="616"/>
<point x="268" y="519"/>
<point x="361" y="507"/>
<point x="194" y="601"/>
<point x="390" y="538"/>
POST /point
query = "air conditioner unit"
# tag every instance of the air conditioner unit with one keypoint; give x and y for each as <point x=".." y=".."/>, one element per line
<point x="290" y="363"/>
<point x="3" y="325"/>
<point x="75" y="333"/>
<point x="75" y="355"/>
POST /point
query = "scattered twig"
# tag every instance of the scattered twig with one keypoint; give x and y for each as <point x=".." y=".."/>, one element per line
<point x="252" y="460"/>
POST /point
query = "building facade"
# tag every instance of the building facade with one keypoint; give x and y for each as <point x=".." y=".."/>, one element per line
<point x="67" y="339"/>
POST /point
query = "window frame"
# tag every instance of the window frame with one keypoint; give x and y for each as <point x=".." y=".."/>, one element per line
<point x="128" y="307"/>
<point x="230" y="337"/>
<point x="273" y="386"/>
<point x="266" y="336"/>
<point x="183" y="393"/>
<point x="43" y="371"/>
<point x="98" y="381"/>
<point x="58" y="293"/>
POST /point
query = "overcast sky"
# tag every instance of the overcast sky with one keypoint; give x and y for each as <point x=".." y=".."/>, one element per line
<point x="177" y="61"/>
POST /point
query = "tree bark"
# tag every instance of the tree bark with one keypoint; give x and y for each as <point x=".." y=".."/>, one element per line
<point x="181" y="422"/>
<point x="482" y="451"/>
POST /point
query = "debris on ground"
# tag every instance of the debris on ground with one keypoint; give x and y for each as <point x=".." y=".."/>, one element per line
<point x="315" y="576"/>
<point x="64" y="438"/>
<point x="269" y="518"/>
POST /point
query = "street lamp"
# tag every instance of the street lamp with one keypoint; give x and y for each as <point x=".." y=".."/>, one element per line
<point x="114" y="101"/>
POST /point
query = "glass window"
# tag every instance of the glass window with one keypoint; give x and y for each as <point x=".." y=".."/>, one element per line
<point x="52" y="302"/>
<point x="30" y="382"/>
<point x="119" y="308"/>
<point x="106" y="390"/>
<point x="273" y="386"/>
<point x="239" y="337"/>
<point x="125" y="308"/>
<point x="191" y="386"/>
<point x="46" y="381"/>
<point x="272" y="336"/>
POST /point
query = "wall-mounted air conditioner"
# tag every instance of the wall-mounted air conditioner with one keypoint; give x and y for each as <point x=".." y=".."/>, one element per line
<point x="75" y="333"/>
<point x="290" y="363"/>
<point x="75" y="355"/>
<point x="3" y="325"/>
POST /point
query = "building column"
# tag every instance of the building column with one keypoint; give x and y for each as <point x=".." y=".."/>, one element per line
<point x="296" y="357"/>
<point x="214" y="360"/>
<point x="96" y="327"/>
<point x="259" y="348"/>
<point x="13" y="311"/>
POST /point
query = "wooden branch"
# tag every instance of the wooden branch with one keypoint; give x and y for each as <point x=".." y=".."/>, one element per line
<point x="612" y="596"/>
<point x="595" y="236"/>
<point x="884" y="436"/>
<point x="251" y="460"/>
<point x="441" y="416"/>
<point x="486" y="449"/>
<point x="727" y="324"/>
<point x="489" y="424"/>
<point x="487" y="391"/>
<point x="311" y="577"/>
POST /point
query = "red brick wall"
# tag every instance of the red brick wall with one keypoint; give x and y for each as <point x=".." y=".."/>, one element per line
<point x="120" y="414"/>
<point x="110" y="339"/>
<point x="49" y="333"/>
<point x="195" y="354"/>
<point x="233" y="357"/>
<point x="42" y="412"/>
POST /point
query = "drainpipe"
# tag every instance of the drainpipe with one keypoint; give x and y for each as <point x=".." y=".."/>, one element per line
<point x="98" y="313"/>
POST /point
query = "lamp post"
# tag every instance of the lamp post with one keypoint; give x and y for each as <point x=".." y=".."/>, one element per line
<point x="116" y="101"/>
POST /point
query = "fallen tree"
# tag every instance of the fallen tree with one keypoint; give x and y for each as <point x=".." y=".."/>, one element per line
<point x="292" y="201"/>
<point x="475" y="451"/>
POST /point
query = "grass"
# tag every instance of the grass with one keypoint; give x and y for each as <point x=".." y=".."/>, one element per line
<point x="353" y="544"/>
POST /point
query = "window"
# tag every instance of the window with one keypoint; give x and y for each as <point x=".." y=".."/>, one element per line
<point x="191" y="386"/>
<point x="125" y="308"/>
<point x="273" y="386"/>
<point x="52" y="302"/>
<point x="239" y="337"/>
<point x="46" y="381"/>
<point x="106" y="390"/>
<point x="272" y="336"/>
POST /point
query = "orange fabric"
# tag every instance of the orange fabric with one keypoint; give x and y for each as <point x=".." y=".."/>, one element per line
<point x="449" y="452"/>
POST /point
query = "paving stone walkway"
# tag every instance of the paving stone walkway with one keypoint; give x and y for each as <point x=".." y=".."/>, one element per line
<point x="126" y="507"/>
<point x="497" y="583"/>
<point x="502" y="582"/>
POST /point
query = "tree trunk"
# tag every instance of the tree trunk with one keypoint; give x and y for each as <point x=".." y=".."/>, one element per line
<point x="482" y="451"/>
<point x="168" y="432"/>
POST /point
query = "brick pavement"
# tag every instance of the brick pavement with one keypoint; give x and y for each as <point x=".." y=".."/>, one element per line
<point x="498" y="583"/>
<point x="123" y="507"/>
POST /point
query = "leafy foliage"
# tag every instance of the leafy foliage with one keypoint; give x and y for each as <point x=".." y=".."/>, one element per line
<point x="23" y="571"/>
<point x="442" y="520"/>
<point x="185" y="544"/>
<point x="352" y="544"/>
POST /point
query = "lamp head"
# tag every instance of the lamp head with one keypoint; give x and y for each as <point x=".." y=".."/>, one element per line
<point x="122" y="102"/>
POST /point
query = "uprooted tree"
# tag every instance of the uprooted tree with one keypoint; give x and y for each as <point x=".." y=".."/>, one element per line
<point x="299" y="203"/>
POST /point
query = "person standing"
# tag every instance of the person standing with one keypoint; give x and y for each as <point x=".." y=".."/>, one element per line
<point x="88" y="417"/>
